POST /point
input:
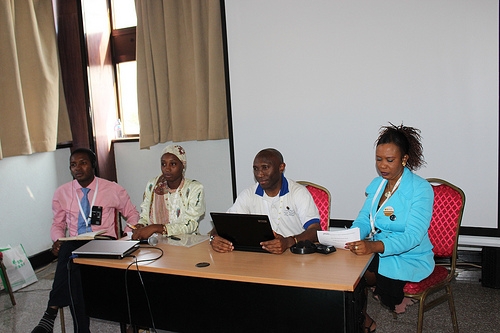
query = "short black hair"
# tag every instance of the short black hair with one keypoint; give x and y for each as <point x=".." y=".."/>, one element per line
<point x="88" y="152"/>
<point x="272" y="152"/>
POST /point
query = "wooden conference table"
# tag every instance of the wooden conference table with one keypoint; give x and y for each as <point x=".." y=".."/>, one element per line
<point x="237" y="292"/>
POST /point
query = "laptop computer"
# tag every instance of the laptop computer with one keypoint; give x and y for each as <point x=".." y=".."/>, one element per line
<point x="245" y="231"/>
<point x="108" y="249"/>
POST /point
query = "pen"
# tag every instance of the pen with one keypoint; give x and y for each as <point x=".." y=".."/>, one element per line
<point x="133" y="227"/>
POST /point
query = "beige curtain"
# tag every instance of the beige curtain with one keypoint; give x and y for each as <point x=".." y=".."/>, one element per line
<point x="30" y="84"/>
<point x="180" y="71"/>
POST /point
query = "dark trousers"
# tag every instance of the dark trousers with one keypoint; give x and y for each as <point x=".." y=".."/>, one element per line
<point x="389" y="290"/>
<point x="67" y="276"/>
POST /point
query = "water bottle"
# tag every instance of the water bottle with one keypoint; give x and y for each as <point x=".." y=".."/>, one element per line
<point x="118" y="129"/>
<point x="153" y="239"/>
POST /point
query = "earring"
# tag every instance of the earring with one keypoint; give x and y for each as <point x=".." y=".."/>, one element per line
<point x="404" y="163"/>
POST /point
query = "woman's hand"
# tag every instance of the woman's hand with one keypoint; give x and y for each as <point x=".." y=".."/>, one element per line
<point x="220" y="244"/>
<point x="365" y="247"/>
<point x="144" y="232"/>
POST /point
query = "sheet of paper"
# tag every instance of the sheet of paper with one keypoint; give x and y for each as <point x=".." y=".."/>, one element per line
<point x="338" y="238"/>
<point x="187" y="240"/>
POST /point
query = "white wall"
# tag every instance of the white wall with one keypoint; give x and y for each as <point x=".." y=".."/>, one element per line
<point x="27" y="184"/>
<point x="317" y="79"/>
<point x="207" y="162"/>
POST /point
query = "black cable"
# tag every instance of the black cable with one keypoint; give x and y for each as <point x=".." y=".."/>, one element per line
<point x="142" y="284"/>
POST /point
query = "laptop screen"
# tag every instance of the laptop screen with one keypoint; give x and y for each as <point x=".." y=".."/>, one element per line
<point x="245" y="231"/>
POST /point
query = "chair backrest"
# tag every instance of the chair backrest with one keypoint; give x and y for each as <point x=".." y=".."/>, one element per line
<point x="448" y="208"/>
<point x="322" y="199"/>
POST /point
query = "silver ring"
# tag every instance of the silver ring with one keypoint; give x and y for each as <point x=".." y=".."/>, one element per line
<point x="356" y="247"/>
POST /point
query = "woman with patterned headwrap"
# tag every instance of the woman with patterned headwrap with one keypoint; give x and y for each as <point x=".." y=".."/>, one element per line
<point x="172" y="205"/>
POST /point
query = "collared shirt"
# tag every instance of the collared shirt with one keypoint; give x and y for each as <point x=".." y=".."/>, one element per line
<point x="110" y="196"/>
<point x="291" y="212"/>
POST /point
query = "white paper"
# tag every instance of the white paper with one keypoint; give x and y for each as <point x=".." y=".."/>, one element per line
<point x="187" y="240"/>
<point x="338" y="238"/>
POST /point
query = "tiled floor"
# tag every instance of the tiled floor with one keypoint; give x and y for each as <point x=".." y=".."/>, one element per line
<point x="32" y="302"/>
<point x="476" y="309"/>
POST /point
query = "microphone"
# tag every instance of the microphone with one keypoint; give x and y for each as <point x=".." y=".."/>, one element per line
<point x="153" y="239"/>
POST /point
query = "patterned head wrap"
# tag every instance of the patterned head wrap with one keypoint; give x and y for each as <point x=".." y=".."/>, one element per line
<point x="177" y="151"/>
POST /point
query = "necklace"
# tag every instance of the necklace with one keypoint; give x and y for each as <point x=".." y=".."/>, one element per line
<point x="388" y="194"/>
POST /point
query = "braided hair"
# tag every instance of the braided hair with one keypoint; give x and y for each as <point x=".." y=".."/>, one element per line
<point x="408" y="141"/>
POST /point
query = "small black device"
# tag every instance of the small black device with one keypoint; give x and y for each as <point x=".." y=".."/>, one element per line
<point x="96" y="216"/>
<point x="325" y="249"/>
<point x="303" y="247"/>
<point x="306" y="247"/>
<point x="202" y="264"/>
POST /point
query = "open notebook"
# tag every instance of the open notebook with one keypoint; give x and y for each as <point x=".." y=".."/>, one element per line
<point x="87" y="235"/>
<point x="109" y="249"/>
<point x="245" y="231"/>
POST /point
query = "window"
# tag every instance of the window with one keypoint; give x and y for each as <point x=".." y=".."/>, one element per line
<point x="124" y="21"/>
